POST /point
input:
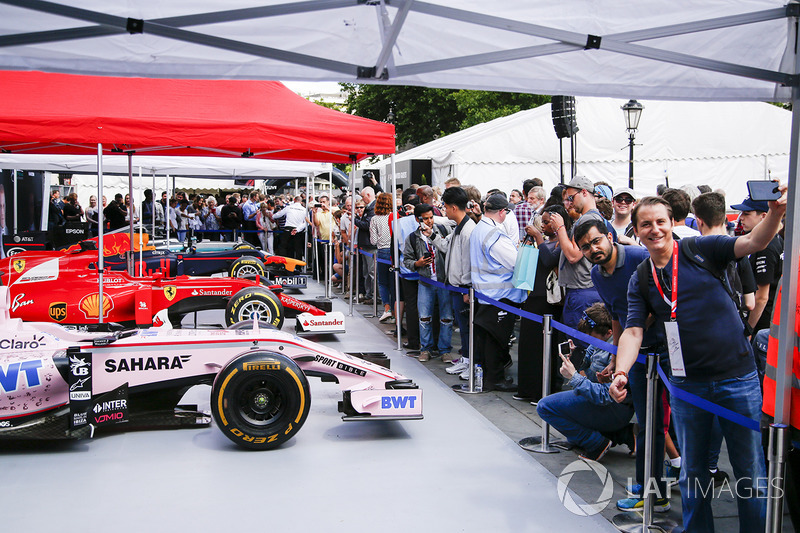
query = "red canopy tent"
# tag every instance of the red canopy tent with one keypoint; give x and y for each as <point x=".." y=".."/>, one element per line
<point x="69" y="114"/>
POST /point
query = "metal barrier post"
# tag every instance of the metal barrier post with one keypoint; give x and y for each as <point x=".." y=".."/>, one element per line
<point x="542" y="444"/>
<point x="375" y="283"/>
<point x="398" y="318"/>
<point x="469" y="388"/>
<point x="354" y="259"/>
<point x="778" y="448"/>
<point x="634" y="521"/>
<point x="327" y="270"/>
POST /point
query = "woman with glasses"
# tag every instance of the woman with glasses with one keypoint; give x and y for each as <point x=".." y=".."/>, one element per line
<point x="623" y="202"/>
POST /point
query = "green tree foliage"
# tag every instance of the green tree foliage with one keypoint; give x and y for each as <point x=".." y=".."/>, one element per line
<point x="422" y="115"/>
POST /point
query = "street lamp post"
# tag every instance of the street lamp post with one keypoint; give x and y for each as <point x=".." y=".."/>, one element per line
<point x="632" y="112"/>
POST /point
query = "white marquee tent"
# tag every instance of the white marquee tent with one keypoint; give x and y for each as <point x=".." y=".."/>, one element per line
<point x="189" y="172"/>
<point x="653" y="49"/>
<point x="721" y="144"/>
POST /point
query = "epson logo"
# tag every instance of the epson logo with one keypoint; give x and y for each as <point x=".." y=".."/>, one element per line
<point x="134" y="364"/>
<point x="74" y="230"/>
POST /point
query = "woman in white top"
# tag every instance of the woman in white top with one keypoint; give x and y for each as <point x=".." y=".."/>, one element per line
<point x="381" y="236"/>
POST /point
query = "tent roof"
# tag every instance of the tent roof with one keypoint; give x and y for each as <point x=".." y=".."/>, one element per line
<point x="68" y="114"/>
<point x="681" y="49"/>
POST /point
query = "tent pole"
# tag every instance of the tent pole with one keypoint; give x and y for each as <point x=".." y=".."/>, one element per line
<point x="779" y="437"/>
<point x="329" y="273"/>
<point x="100" y="248"/>
<point x="166" y="214"/>
<point x="130" y="212"/>
<point x="153" y="208"/>
<point x="396" y="244"/>
<point x="141" y="228"/>
<point x="16" y="199"/>
<point x="309" y="186"/>
<point x="353" y="258"/>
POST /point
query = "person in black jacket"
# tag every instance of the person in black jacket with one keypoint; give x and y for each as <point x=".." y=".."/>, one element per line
<point x="362" y="220"/>
<point x="115" y="213"/>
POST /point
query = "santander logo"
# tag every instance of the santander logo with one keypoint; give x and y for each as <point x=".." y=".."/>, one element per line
<point x="332" y="322"/>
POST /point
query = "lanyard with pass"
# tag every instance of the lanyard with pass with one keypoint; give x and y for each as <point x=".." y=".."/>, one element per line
<point x="671" y="327"/>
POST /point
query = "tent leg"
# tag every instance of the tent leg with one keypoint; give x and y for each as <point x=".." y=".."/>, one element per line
<point x="101" y="249"/>
<point x="786" y="330"/>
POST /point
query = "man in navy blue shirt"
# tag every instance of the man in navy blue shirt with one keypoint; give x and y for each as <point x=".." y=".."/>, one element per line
<point x="614" y="264"/>
<point x="707" y="357"/>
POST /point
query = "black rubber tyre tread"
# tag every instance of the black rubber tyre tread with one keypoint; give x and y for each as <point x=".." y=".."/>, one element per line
<point x="260" y="400"/>
<point x="247" y="266"/>
<point x="239" y="304"/>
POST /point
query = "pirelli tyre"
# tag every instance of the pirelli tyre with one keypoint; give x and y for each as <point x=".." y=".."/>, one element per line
<point x="247" y="267"/>
<point x="243" y="246"/>
<point x="254" y="302"/>
<point x="248" y="324"/>
<point x="260" y="400"/>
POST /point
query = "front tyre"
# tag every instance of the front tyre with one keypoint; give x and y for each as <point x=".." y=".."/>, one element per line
<point x="247" y="267"/>
<point x="254" y="302"/>
<point x="260" y="400"/>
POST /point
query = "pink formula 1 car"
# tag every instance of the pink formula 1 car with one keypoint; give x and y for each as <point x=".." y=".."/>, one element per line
<point x="57" y="383"/>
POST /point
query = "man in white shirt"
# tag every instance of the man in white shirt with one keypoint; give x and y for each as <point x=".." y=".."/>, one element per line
<point x="296" y="219"/>
<point x="681" y="205"/>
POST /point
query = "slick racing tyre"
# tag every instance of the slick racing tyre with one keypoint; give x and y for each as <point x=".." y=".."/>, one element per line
<point x="247" y="267"/>
<point x="254" y="302"/>
<point x="260" y="400"/>
<point x="243" y="246"/>
<point x="248" y="324"/>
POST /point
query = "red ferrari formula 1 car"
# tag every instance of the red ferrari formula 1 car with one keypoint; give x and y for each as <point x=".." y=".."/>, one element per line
<point x="63" y="287"/>
<point x="61" y="384"/>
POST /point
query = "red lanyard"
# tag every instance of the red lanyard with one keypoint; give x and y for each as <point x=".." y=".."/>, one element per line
<point x="673" y="304"/>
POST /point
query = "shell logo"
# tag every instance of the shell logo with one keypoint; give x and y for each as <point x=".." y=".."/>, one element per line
<point x="90" y="305"/>
<point x="19" y="265"/>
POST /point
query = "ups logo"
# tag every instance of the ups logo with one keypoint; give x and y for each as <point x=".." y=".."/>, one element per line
<point x="58" y="311"/>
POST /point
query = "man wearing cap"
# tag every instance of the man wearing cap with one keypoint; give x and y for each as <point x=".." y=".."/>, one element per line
<point x="623" y="202"/>
<point x="492" y="257"/>
<point x="573" y="267"/>
<point x="766" y="264"/>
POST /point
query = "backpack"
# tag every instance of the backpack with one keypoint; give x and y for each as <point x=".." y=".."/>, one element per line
<point x="729" y="277"/>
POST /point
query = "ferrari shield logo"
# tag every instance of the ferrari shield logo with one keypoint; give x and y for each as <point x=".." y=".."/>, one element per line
<point x="19" y="265"/>
<point x="170" y="291"/>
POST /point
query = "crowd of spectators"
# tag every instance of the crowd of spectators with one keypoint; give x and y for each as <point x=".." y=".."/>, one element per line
<point x="590" y="275"/>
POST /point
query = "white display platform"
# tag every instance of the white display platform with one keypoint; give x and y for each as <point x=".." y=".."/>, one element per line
<point x="452" y="471"/>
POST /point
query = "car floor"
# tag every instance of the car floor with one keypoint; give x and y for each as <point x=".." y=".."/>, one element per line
<point x="453" y="471"/>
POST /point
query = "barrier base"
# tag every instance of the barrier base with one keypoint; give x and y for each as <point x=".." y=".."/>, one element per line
<point x="633" y="522"/>
<point x="530" y="443"/>
<point x="534" y="444"/>
<point x="463" y="388"/>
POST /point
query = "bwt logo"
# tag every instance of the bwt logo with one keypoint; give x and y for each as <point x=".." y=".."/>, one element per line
<point x="397" y="402"/>
<point x="9" y="376"/>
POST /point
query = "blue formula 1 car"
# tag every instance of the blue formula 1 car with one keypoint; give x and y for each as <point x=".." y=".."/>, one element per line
<point x="238" y="262"/>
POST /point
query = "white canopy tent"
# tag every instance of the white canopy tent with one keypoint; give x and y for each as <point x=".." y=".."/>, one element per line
<point x="681" y="50"/>
<point x="728" y="144"/>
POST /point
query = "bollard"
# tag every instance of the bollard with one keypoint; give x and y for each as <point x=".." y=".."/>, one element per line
<point x="327" y="270"/>
<point x="542" y="444"/>
<point x="634" y="520"/>
<point x="375" y="283"/>
<point x="469" y="388"/>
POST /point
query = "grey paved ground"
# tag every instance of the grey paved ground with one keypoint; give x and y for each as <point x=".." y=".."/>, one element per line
<point x="518" y="419"/>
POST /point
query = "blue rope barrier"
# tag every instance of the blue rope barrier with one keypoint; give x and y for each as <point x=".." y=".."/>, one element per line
<point x="433" y="282"/>
<point x="706" y="405"/>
